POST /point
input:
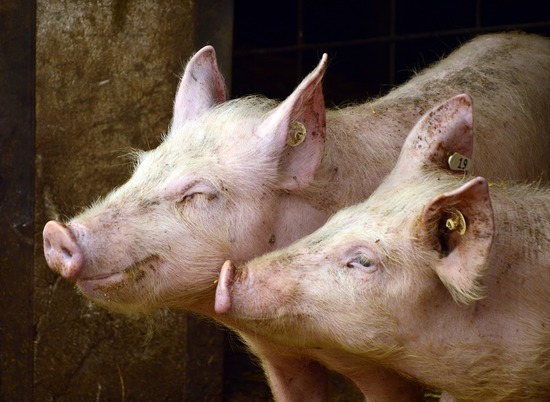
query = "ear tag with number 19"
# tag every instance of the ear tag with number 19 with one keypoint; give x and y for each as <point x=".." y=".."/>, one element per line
<point x="460" y="162"/>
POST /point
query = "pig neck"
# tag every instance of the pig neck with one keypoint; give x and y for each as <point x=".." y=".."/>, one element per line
<point x="362" y="146"/>
<point x="460" y="344"/>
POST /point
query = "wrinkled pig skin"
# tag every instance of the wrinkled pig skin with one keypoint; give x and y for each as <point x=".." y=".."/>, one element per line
<point x="460" y="306"/>
<point x="226" y="183"/>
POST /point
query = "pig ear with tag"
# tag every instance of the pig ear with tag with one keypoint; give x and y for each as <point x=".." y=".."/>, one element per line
<point x="295" y="131"/>
<point x="459" y="225"/>
<point x="201" y="88"/>
<point x="442" y="138"/>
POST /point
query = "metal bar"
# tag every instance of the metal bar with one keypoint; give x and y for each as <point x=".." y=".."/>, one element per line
<point x="386" y="39"/>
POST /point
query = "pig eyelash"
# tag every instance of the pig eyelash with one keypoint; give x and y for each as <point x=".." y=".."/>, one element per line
<point x="196" y="189"/>
<point x="359" y="262"/>
<point x="189" y="197"/>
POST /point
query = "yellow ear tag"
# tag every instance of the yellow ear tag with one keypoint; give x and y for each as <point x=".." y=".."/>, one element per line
<point x="296" y="134"/>
<point x="460" y="162"/>
<point x="456" y="222"/>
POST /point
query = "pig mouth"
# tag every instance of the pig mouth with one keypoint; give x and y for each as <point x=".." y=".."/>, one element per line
<point x="114" y="281"/>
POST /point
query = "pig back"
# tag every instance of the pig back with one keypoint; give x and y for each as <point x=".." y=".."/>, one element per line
<point x="508" y="77"/>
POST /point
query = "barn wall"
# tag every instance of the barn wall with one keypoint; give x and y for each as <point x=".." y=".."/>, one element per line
<point x="106" y="75"/>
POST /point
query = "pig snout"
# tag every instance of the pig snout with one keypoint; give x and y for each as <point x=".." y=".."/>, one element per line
<point x="241" y="294"/>
<point x="223" y="290"/>
<point x="61" y="250"/>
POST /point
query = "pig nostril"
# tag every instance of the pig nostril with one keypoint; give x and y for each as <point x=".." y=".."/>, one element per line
<point x="66" y="252"/>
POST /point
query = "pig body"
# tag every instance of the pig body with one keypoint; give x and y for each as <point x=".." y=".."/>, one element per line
<point x="236" y="179"/>
<point x="434" y="276"/>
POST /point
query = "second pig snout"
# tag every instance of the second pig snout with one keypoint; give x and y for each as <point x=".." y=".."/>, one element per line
<point x="61" y="250"/>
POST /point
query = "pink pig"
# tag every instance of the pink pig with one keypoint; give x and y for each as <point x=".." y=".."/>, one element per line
<point x="436" y="276"/>
<point x="236" y="179"/>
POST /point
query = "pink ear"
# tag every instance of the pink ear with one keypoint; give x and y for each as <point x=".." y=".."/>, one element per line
<point x="201" y="87"/>
<point x="296" y="129"/>
<point x="459" y="225"/>
<point x="446" y="129"/>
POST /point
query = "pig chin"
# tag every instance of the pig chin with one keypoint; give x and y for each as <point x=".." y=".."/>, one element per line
<point x="122" y="287"/>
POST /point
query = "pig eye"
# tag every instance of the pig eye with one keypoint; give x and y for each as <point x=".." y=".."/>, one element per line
<point x="198" y="191"/>
<point x="188" y="197"/>
<point x="206" y="196"/>
<point x="359" y="262"/>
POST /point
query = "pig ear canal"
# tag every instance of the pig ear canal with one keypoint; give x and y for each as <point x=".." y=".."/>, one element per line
<point x="443" y="138"/>
<point x="201" y="87"/>
<point x="294" y="133"/>
<point x="459" y="226"/>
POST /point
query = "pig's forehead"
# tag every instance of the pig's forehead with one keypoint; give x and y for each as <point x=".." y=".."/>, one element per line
<point x="168" y="157"/>
<point x="231" y="125"/>
<point x="358" y="219"/>
<point x="391" y="210"/>
<point x="384" y="216"/>
<point x="346" y="229"/>
<point x="225" y="136"/>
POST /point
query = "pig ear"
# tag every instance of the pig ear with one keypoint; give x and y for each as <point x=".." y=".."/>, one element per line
<point x="201" y="87"/>
<point x="445" y="130"/>
<point x="459" y="225"/>
<point x="295" y="131"/>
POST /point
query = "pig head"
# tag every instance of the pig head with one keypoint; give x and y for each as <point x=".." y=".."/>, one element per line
<point x="427" y="277"/>
<point x="213" y="189"/>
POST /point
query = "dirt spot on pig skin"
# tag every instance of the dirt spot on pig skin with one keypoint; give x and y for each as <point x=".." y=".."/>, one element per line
<point x="146" y="204"/>
<point x="136" y="276"/>
<point x="136" y="272"/>
<point x="132" y="276"/>
<point x="108" y="289"/>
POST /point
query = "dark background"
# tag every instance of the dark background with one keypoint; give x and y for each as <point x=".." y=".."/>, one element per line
<point x="372" y="45"/>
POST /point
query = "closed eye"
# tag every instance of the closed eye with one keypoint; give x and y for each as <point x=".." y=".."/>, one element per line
<point x="359" y="262"/>
<point x="191" y="196"/>
<point x="197" y="190"/>
<point x="188" y="197"/>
